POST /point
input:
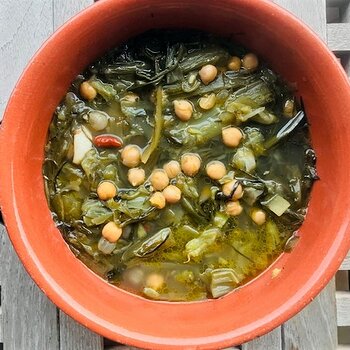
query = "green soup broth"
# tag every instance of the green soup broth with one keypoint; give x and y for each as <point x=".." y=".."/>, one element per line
<point x="191" y="241"/>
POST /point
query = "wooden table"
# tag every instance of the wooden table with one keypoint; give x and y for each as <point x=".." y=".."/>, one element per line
<point x="28" y="320"/>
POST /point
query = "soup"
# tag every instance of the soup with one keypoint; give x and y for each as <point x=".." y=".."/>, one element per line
<point x="178" y="166"/>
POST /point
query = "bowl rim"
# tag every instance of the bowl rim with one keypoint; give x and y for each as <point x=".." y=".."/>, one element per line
<point x="18" y="240"/>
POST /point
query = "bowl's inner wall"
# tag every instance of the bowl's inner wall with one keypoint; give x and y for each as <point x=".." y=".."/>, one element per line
<point x="288" y="51"/>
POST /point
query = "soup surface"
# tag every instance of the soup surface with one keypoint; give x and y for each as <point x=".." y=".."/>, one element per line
<point x="178" y="166"/>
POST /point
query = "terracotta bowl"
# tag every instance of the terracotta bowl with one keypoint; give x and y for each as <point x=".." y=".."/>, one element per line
<point x="294" y="52"/>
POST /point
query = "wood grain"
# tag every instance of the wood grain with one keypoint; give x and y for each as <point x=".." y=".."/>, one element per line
<point x="63" y="10"/>
<point x="338" y="36"/>
<point x="315" y="327"/>
<point x="270" y="341"/>
<point x="77" y="337"/>
<point x="311" y="12"/>
<point x="29" y="318"/>
<point x="346" y="263"/>
<point x="343" y="308"/>
<point x="24" y="26"/>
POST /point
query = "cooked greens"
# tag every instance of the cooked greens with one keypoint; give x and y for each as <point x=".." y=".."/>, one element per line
<point x="178" y="166"/>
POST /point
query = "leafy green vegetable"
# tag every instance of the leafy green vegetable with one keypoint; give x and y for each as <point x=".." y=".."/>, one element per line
<point x="67" y="205"/>
<point x="197" y="246"/>
<point x="95" y="213"/>
<point x="223" y="281"/>
<point x="147" y="245"/>
<point x="286" y="130"/>
<point x="158" y="118"/>
<point x="107" y="91"/>
<point x="244" y="159"/>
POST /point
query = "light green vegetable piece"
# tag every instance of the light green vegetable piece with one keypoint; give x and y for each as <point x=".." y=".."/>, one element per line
<point x="69" y="178"/>
<point x="95" y="213"/>
<point x="159" y="121"/>
<point x="244" y="159"/>
<point x="151" y="293"/>
<point x="223" y="281"/>
<point x="67" y="205"/>
<point x="107" y="91"/>
<point x="277" y="204"/>
<point x="197" y="246"/>
<point x="220" y="219"/>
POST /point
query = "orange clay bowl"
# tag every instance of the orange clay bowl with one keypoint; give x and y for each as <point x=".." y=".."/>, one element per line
<point x="292" y="50"/>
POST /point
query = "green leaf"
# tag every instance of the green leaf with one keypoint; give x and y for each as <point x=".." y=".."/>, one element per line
<point x="95" y="213"/>
<point x="197" y="246"/>
<point x="159" y="121"/>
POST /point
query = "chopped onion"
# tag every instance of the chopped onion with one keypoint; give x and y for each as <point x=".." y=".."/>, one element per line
<point x="81" y="146"/>
<point x="244" y="159"/>
<point x="151" y="293"/>
<point x="98" y="120"/>
<point x="105" y="247"/>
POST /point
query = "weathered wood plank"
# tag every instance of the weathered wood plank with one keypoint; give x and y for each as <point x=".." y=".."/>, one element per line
<point x="1" y="326"/>
<point x="315" y="327"/>
<point x="24" y="25"/>
<point x="312" y="12"/>
<point x="72" y="334"/>
<point x="75" y="336"/>
<point x="29" y="318"/>
<point x="271" y="341"/>
<point x="346" y="263"/>
<point x="63" y="10"/>
<point x="343" y="308"/>
<point x="338" y="36"/>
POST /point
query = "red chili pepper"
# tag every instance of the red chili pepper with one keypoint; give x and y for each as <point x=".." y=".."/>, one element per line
<point x="108" y="141"/>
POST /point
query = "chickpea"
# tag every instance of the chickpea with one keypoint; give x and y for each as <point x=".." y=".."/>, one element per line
<point x="155" y="281"/>
<point x="228" y="187"/>
<point x="231" y="136"/>
<point x="190" y="163"/>
<point x="172" y="194"/>
<point x="157" y="200"/>
<point x="172" y="168"/>
<point x="87" y="91"/>
<point x="111" y="232"/>
<point x="234" y="208"/>
<point x="258" y="216"/>
<point x="234" y="63"/>
<point x="207" y="102"/>
<point x="106" y="190"/>
<point x="131" y="156"/>
<point x="159" y="179"/>
<point x="288" y="109"/>
<point x="215" y="169"/>
<point x="208" y="73"/>
<point x="136" y="176"/>
<point x="250" y="61"/>
<point x="183" y="109"/>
